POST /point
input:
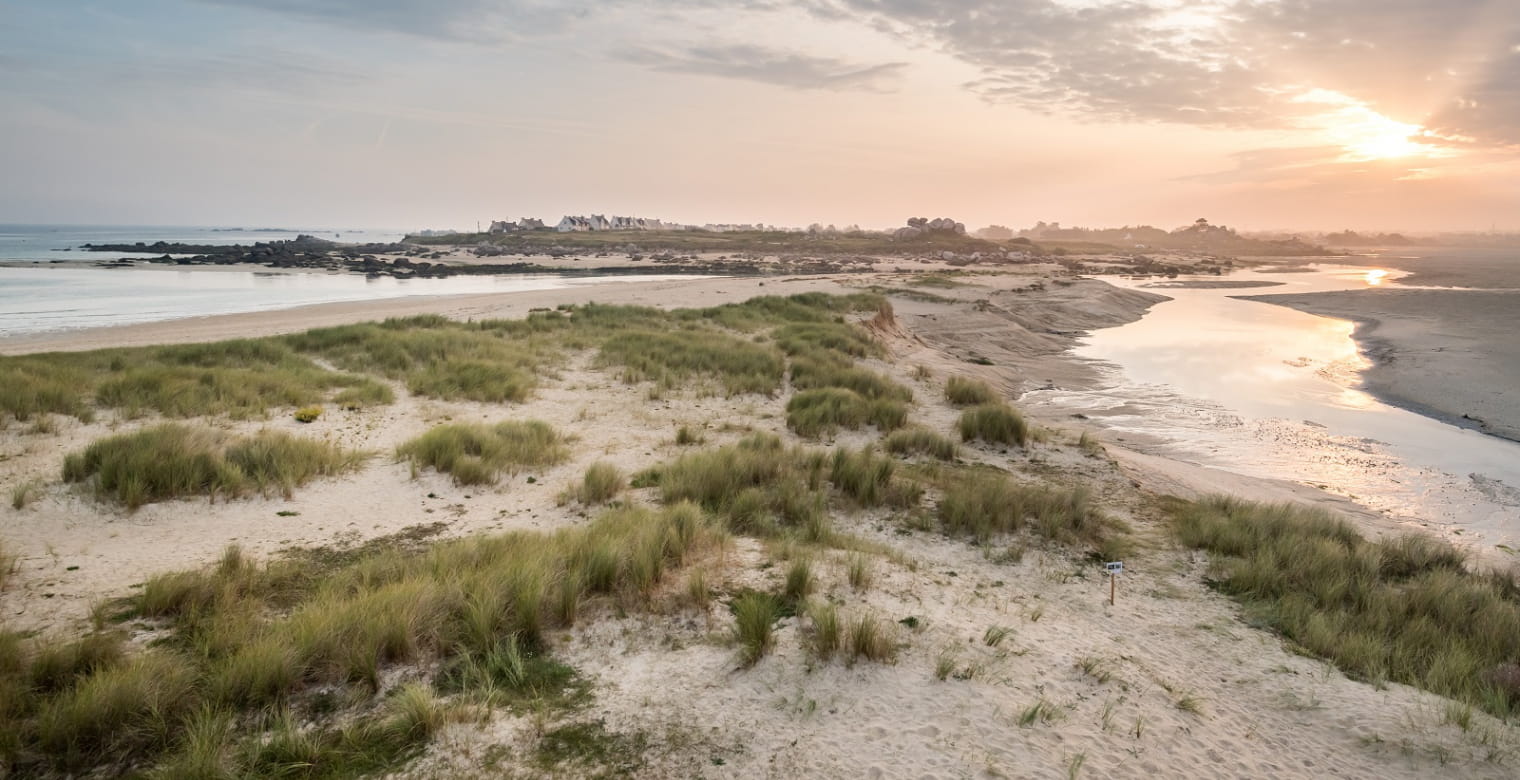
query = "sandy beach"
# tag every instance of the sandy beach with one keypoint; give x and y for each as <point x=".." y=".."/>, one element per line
<point x="1171" y="680"/>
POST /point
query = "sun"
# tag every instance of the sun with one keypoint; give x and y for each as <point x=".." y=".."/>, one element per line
<point x="1365" y="134"/>
<point x="1376" y="137"/>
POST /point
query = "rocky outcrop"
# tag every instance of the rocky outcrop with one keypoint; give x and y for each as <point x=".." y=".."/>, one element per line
<point x="922" y="226"/>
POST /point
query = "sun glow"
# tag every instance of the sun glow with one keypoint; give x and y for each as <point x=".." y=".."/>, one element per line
<point x="1365" y="134"/>
<point x="1376" y="277"/>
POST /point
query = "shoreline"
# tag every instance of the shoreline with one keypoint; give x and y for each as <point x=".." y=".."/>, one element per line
<point x="1446" y="354"/>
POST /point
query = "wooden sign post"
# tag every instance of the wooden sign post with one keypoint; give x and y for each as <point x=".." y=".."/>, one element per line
<point x="1113" y="567"/>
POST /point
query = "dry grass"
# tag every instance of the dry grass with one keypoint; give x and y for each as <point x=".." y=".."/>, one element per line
<point x="245" y="640"/>
<point x="478" y="454"/>
<point x="996" y="423"/>
<point x="175" y="460"/>
<point x="961" y="391"/>
<point x="1406" y="610"/>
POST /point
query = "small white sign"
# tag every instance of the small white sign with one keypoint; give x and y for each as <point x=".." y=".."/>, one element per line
<point x="1114" y="567"/>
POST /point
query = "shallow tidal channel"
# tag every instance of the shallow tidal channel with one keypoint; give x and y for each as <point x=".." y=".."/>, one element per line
<point x="1268" y="391"/>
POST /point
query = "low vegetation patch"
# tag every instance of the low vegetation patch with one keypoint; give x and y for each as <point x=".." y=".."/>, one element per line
<point x="1407" y="609"/>
<point x="814" y="413"/>
<point x="477" y="454"/>
<point x="601" y="483"/>
<point x="672" y="358"/>
<point x="241" y="378"/>
<point x="763" y="488"/>
<point x="250" y="650"/>
<point x="755" y="616"/>
<point x="25" y="493"/>
<point x="173" y="460"/>
<point x="921" y="441"/>
<point x="830" y="369"/>
<point x="982" y="505"/>
<point x="995" y="423"/>
<point x="436" y="357"/>
<point x="962" y="391"/>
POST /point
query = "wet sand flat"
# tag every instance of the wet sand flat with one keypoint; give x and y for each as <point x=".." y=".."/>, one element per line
<point x="1451" y="354"/>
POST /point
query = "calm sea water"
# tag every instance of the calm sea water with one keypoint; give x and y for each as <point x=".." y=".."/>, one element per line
<point x="45" y="243"/>
<point x="37" y="296"/>
<point x="1269" y="391"/>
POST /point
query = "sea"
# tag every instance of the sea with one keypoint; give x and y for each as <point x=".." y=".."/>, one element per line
<point x="46" y="285"/>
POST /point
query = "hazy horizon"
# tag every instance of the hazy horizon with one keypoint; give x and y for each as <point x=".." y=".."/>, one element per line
<point x="1258" y="114"/>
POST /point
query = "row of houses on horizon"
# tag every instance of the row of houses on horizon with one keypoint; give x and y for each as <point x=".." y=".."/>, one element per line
<point x="599" y="222"/>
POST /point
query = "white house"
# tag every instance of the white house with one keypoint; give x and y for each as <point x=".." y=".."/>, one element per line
<point x="598" y="222"/>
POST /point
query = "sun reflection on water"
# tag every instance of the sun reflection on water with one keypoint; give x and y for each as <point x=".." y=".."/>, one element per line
<point x="1376" y="277"/>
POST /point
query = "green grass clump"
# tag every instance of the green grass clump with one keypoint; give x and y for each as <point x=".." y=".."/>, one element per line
<point x="828" y="369"/>
<point x="243" y="642"/>
<point x="867" y="478"/>
<point x="758" y="486"/>
<point x="671" y="358"/>
<point x="870" y="638"/>
<point x="801" y="338"/>
<point x="243" y="378"/>
<point x="1406" y="610"/>
<point x="477" y="454"/>
<point x="799" y="580"/>
<point x="827" y="634"/>
<point x="982" y="505"/>
<point x="240" y="378"/>
<point x="308" y="414"/>
<point x="132" y="708"/>
<point x="823" y="411"/>
<point x="492" y="362"/>
<point x="755" y="616"/>
<point x="174" y="460"/>
<point x="44" y="384"/>
<point x="921" y="441"/>
<point x="996" y="423"/>
<point x="969" y="392"/>
<point x="601" y="483"/>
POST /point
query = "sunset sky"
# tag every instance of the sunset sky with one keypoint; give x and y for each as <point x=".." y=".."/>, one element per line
<point x="1309" y="114"/>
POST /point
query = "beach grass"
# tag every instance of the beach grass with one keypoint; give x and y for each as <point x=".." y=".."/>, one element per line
<point x="174" y="460"/>
<point x="755" y="617"/>
<point x="1406" y="609"/>
<point x="245" y="641"/>
<point x="823" y="411"/>
<point x="828" y="369"/>
<point x="962" y="391"/>
<point x="984" y="504"/>
<point x="827" y="632"/>
<point x="868" y="637"/>
<point x="921" y="441"/>
<point x="675" y="357"/>
<point x="478" y="454"/>
<point x="601" y="483"/>
<point x="799" y="580"/>
<point x="994" y="423"/>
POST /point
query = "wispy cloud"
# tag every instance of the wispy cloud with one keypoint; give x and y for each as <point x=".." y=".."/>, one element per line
<point x="768" y="66"/>
<point x="462" y="20"/>
<point x="1449" y="64"/>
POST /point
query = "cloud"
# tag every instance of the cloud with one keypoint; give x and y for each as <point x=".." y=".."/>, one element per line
<point x="462" y="20"/>
<point x="1226" y="63"/>
<point x="768" y="66"/>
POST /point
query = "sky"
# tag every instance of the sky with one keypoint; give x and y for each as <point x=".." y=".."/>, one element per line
<point x="1260" y="114"/>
